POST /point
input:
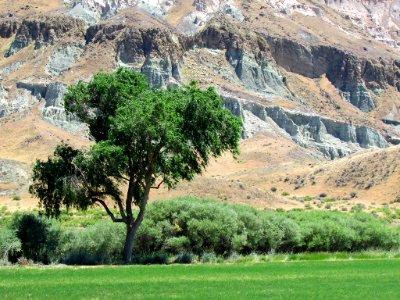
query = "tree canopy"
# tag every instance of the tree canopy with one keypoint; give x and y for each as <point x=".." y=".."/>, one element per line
<point x="144" y="137"/>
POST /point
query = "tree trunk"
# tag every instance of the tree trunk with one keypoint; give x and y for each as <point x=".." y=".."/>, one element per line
<point x="132" y="228"/>
<point x="131" y="231"/>
<point x="128" y="248"/>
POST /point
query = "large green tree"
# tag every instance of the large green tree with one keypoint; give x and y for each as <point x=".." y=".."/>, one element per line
<point x="144" y="137"/>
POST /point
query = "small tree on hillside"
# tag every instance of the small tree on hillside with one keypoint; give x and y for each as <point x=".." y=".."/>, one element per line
<point x="144" y="137"/>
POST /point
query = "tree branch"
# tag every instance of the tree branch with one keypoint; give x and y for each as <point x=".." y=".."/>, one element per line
<point x="121" y="208"/>
<point x="123" y="177"/>
<point x="128" y="202"/>
<point x="158" y="186"/>
<point x="113" y="218"/>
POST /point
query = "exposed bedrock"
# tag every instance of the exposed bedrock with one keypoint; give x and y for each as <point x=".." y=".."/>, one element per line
<point x="358" y="95"/>
<point x="22" y="101"/>
<point x="352" y="75"/>
<point x="255" y="57"/>
<point x="8" y="26"/>
<point x="248" y="56"/>
<point x="45" y="30"/>
<point x="93" y="11"/>
<point x="3" y="102"/>
<point x="159" y="54"/>
<point x="157" y="51"/>
<point x="334" y="139"/>
<point x="63" y="58"/>
<point x="53" y="110"/>
<point x="259" y="75"/>
<point x="13" y="171"/>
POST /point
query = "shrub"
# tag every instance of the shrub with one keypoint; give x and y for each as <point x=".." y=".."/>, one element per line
<point x="150" y="237"/>
<point x="285" y="194"/>
<point x="208" y="257"/>
<point x="184" y="258"/>
<point x="208" y="225"/>
<point x="176" y="245"/>
<point x="158" y="258"/>
<point x="308" y="206"/>
<point x="16" y="197"/>
<point x="274" y="189"/>
<point x="9" y="244"/>
<point x="39" y="237"/>
<point x="323" y="195"/>
<point x="327" y="200"/>
<point x="97" y="244"/>
<point x="291" y="237"/>
<point x="213" y="230"/>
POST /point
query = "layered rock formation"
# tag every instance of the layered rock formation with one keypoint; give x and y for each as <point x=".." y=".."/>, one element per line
<point x="45" y="30"/>
<point x="350" y="74"/>
<point x="334" y="139"/>
<point x="266" y="68"/>
<point x="8" y="26"/>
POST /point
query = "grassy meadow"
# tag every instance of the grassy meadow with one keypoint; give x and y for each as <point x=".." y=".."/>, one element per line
<point x="340" y="279"/>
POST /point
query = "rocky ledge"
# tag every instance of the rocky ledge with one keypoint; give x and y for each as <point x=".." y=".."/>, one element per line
<point x="333" y="139"/>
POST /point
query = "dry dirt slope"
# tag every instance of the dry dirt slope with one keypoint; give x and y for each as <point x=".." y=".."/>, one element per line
<point x="267" y="162"/>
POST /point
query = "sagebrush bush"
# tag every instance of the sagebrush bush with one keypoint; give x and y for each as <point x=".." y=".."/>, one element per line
<point x="205" y="226"/>
<point x="10" y="245"/>
<point x="208" y="229"/>
<point x="101" y="243"/>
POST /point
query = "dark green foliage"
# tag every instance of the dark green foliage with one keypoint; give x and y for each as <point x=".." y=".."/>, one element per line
<point x="198" y="226"/>
<point x="184" y="258"/>
<point x="39" y="238"/>
<point x="96" y="101"/>
<point x="97" y="244"/>
<point x="9" y="244"/>
<point x="144" y="137"/>
<point x="209" y="229"/>
<point x="50" y="179"/>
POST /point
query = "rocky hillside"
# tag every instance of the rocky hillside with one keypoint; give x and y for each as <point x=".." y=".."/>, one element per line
<point x="322" y="75"/>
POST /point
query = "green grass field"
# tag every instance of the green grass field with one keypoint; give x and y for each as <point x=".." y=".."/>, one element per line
<point x="350" y="279"/>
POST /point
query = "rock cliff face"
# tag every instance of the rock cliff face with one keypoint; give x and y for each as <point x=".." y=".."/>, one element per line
<point x="3" y="102"/>
<point x="350" y="74"/>
<point x="45" y="30"/>
<point x="158" y="53"/>
<point x="154" y="52"/>
<point x="248" y="55"/>
<point x="379" y="18"/>
<point x="53" y="110"/>
<point x="8" y="26"/>
<point x="333" y="139"/>
<point x="258" y="63"/>
<point x="63" y="58"/>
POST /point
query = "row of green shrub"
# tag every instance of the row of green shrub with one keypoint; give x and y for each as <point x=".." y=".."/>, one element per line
<point x="187" y="226"/>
